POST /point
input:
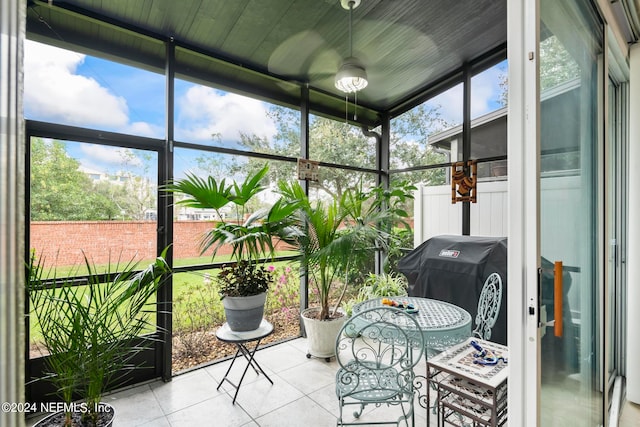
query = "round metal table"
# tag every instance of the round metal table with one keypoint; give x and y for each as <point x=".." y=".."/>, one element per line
<point x="442" y="324"/>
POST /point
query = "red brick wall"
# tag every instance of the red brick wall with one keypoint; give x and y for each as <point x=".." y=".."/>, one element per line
<point x="62" y="243"/>
<point x="187" y="236"/>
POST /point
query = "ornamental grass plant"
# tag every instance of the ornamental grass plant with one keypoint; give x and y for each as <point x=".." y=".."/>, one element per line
<point x="94" y="327"/>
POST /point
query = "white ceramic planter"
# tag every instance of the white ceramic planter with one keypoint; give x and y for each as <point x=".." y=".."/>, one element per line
<point x="244" y="313"/>
<point x="321" y="334"/>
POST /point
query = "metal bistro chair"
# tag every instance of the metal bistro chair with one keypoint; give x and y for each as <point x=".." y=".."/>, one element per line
<point x="377" y="350"/>
<point x="452" y="386"/>
<point x="488" y="311"/>
<point x="488" y="306"/>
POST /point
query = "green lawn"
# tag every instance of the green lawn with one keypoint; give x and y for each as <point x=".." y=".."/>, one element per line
<point x="196" y="303"/>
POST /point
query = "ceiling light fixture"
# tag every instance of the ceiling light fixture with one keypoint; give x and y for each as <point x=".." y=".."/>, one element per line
<point x="351" y="76"/>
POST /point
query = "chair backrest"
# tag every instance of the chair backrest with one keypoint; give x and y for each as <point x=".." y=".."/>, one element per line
<point x="380" y="338"/>
<point x="488" y="306"/>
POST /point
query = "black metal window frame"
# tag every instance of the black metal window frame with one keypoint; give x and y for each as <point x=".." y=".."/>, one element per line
<point x="161" y="359"/>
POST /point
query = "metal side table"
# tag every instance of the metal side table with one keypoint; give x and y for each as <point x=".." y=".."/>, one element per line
<point x="469" y="393"/>
<point x="241" y="339"/>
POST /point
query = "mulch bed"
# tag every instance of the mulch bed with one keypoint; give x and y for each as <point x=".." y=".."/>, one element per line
<point x="200" y="347"/>
<point x="203" y="346"/>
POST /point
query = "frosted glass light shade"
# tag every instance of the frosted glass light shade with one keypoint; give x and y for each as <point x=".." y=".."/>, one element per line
<point x="351" y="77"/>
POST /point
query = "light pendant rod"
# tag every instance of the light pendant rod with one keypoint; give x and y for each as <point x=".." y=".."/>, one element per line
<point x="346" y="108"/>
<point x="355" y="106"/>
<point x="351" y="3"/>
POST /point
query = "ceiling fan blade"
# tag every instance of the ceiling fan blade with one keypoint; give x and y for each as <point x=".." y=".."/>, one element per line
<point x="405" y="45"/>
<point x="314" y="56"/>
<point x="324" y="65"/>
<point x="302" y="55"/>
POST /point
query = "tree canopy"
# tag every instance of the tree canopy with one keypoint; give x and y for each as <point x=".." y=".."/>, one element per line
<point x="61" y="191"/>
<point x="339" y="143"/>
<point x="557" y="66"/>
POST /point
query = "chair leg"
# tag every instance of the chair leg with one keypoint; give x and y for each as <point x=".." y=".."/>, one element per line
<point x="358" y="413"/>
<point x="341" y="405"/>
<point x="411" y="413"/>
<point x="405" y="416"/>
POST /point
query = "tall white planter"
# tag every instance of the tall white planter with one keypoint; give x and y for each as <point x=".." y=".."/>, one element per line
<point x="321" y="334"/>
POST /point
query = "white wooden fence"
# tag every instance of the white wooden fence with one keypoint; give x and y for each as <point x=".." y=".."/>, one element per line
<point x="563" y="215"/>
<point x="434" y="213"/>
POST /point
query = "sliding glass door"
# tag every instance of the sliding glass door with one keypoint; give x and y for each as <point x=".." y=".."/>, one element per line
<point x="571" y="90"/>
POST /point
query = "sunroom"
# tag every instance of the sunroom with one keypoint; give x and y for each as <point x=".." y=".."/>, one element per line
<point x="530" y="101"/>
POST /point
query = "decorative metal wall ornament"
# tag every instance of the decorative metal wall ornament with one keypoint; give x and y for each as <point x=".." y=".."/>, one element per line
<point x="308" y="170"/>
<point x="464" y="177"/>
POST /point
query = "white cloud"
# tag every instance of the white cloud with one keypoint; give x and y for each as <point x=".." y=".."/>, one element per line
<point x="54" y="92"/>
<point x="204" y="112"/>
<point x="105" y="158"/>
<point x="144" y="129"/>
<point x="485" y="91"/>
<point x="450" y="103"/>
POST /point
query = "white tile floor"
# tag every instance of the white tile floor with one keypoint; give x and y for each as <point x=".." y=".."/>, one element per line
<point x="630" y="415"/>
<point x="302" y="394"/>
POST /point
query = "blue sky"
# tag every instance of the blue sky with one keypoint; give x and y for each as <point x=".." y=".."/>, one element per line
<point x="67" y="87"/>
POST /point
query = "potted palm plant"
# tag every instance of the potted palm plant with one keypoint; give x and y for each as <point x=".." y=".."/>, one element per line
<point x="334" y="238"/>
<point x="92" y="332"/>
<point x="244" y="282"/>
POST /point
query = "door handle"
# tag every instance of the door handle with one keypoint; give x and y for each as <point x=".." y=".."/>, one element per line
<point x="557" y="298"/>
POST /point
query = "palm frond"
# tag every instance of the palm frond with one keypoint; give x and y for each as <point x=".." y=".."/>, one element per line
<point x="201" y="193"/>
<point x="251" y="186"/>
<point x="88" y="329"/>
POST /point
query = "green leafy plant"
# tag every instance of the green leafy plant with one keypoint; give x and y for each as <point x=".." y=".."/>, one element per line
<point x="89" y="330"/>
<point x="382" y="285"/>
<point x="376" y="286"/>
<point x="402" y="244"/>
<point x="341" y="234"/>
<point x="243" y="279"/>
<point x="251" y="239"/>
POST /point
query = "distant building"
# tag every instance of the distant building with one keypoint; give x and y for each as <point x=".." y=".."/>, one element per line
<point x="193" y="214"/>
